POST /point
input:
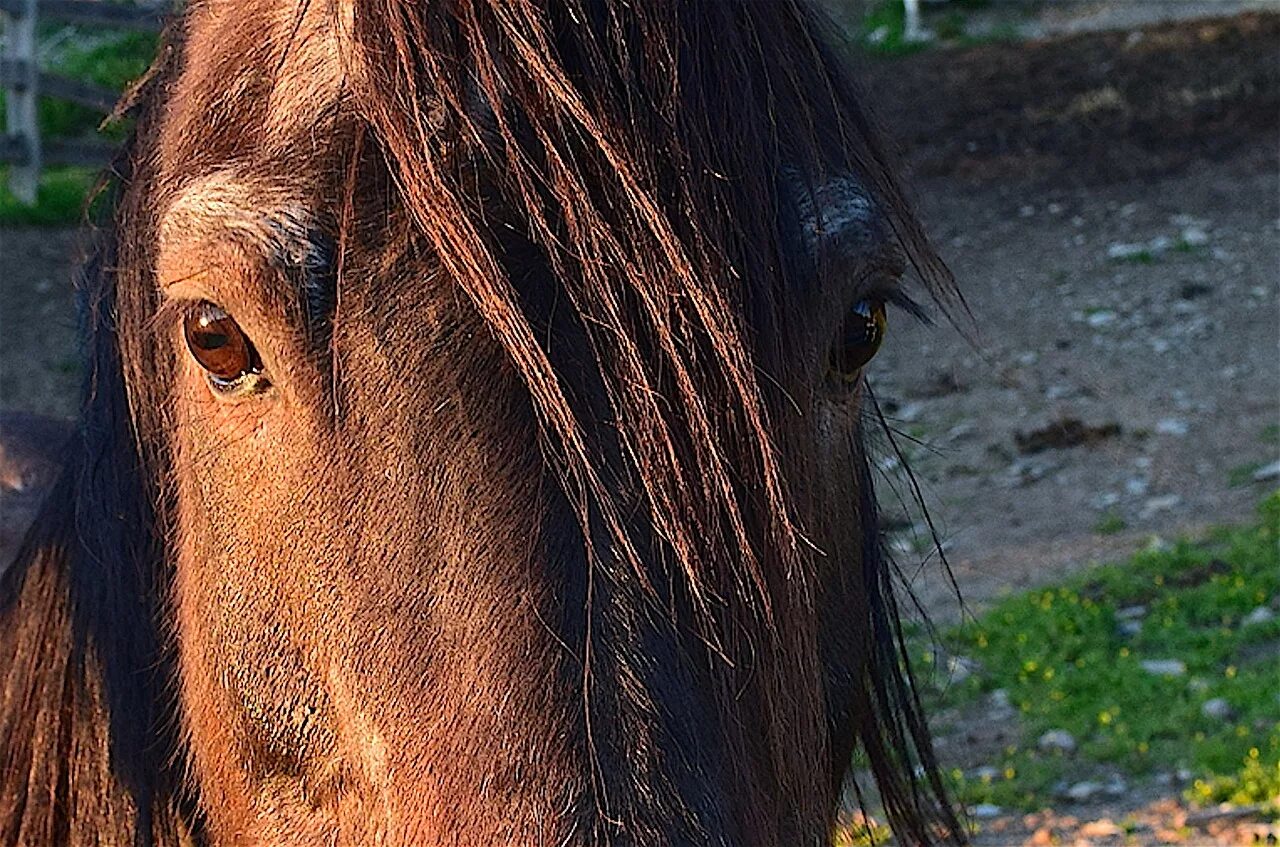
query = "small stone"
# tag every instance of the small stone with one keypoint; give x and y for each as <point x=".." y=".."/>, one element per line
<point x="1194" y="236"/>
<point x="961" y="668"/>
<point x="1057" y="739"/>
<point x="1026" y="211"/>
<point x="999" y="700"/>
<point x="910" y="413"/>
<point x="1160" y="345"/>
<point x="987" y="811"/>
<point x="1172" y="426"/>
<point x="1105" y="500"/>
<point x="1084" y="791"/>
<point x="1217" y="709"/>
<point x="1135" y="486"/>
<point x="1160" y="504"/>
<point x="1259" y="615"/>
<point x="1121" y="250"/>
<point x="1129" y="613"/>
<point x="1116" y="786"/>
<point x="962" y="430"/>
<point x="1100" y="318"/>
<point x="1164" y="667"/>
<point x="1159" y="244"/>
<point x="1054" y="208"/>
<point x="1129" y="629"/>
<point x="1158" y="544"/>
<point x="986" y="773"/>
<point x="1267" y="473"/>
<point x="1058" y="391"/>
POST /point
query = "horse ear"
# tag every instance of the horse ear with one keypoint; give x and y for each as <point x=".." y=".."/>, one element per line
<point x="83" y="754"/>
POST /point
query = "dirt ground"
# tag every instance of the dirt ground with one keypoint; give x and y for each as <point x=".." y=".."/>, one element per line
<point x="1110" y="203"/>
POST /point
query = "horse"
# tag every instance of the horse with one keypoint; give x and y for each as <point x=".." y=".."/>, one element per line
<point x="473" y="446"/>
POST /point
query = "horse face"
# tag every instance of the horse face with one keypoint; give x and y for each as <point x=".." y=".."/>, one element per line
<point x="439" y="575"/>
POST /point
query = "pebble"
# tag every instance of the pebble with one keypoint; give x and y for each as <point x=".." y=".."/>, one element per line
<point x="1160" y="504"/>
<point x="961" y="668"/>
<point x="1083" y="791"/>
<point x="1218" y="709"/>
<point x="1172" y="426"/>
<point x="1164" y="667"/>
<point x="910" y="413"/>
<point x="1105" y="500"/>
<point x="1000" y="702"/>
<point x="1116" y="786"/>
<point x="1267" y="472"/>
<point x="1194" y="236"/>
<point x="1135" y="486"/>
<point x="986" y="811"/>
<point x="1129" y="613"/>
<point x="1057" y="739"/>
<point x="986" y="773"/>
<point x="1260" y="615"/>
<point x="1100" y="318"/>
<point x="1058" y="391"/>
<point x="964" y="429"/>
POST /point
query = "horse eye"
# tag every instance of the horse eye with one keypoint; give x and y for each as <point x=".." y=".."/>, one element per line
<point x="860" y="338"/>
<point x="220" y="346"/>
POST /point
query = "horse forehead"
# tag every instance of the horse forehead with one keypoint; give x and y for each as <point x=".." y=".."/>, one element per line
<point x="257" y="71"/>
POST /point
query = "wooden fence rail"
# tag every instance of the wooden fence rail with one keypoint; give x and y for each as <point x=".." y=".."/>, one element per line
<point x="24" y="84"/>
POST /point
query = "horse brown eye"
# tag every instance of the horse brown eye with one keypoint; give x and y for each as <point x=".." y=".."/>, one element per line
<point x="219" y="346"/>
<point x="860" y="338"/>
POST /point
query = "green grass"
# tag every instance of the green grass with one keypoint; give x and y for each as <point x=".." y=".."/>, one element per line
<point x="883" y="26"/>
<point x="60" y="200"/>
<point x="1142" y="257"/>
<point x="1242" y="475"/>
<point x="1110" y="524"/>
<point x="1061" y="656"/>
<point x="112" y="59"/>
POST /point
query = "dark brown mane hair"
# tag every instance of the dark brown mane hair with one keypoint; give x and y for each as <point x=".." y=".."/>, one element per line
<point x="650" y="152"/>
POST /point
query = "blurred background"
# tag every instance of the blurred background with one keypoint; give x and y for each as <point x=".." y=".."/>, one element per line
<point x="1100" y="470"/>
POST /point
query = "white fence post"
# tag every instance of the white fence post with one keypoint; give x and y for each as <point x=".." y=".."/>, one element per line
<point x="21" y="97"/>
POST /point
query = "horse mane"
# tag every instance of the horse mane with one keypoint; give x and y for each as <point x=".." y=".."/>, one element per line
<point x="642" y="147"/>
<point x="89" y="756"/>
<point x="639" y="148"/>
